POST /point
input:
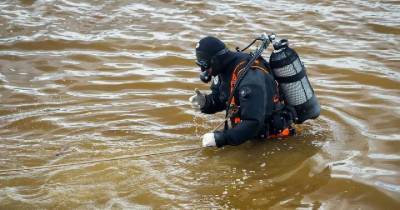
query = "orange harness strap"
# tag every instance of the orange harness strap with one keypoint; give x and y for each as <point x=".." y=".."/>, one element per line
<point x="284" y="133"/>
<point x="235" y="74"/>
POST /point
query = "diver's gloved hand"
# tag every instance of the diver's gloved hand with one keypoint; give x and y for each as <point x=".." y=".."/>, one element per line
<point x="198" y="100"/>
<point x="209" y="140"/>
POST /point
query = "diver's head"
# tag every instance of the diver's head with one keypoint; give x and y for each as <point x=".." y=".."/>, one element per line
<point x="209" y="55"/>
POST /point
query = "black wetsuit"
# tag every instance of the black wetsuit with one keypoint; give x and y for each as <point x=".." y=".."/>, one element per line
<point x="254" y="97"/>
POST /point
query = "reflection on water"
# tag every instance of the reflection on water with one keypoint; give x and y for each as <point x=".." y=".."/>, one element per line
<point x="87" y="80"/>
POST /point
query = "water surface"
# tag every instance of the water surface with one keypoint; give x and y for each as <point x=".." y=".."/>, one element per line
<point x="86" y="80"/>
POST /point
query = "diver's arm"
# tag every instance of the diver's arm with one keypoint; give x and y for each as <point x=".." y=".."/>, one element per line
<point x="213" y="102"/>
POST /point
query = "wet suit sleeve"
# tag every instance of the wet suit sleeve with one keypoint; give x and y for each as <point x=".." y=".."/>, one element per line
<point x="214" y="103"/>
<point x="252" y="98"/>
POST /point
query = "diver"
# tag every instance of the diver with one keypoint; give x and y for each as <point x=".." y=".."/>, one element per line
<point x="254" y="109"/>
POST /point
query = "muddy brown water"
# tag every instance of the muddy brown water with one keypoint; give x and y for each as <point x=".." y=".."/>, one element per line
<point x="86" y="80"/>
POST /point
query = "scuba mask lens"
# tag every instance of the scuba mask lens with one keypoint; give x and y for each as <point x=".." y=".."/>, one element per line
<point x="203" y="60"/>
<point x="203" y="64"/>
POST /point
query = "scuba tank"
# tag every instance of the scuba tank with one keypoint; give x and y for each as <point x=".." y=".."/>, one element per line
<point x="294" y="86"/>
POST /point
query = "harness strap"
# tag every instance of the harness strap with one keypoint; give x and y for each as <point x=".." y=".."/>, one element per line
<point x="291" y="79"/>
<point x="235" y="76"/>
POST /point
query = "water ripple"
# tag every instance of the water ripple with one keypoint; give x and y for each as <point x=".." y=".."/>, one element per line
<point x="98" y="79"/>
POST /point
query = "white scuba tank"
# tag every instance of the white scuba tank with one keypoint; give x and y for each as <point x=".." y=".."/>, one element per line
<point x="294" y="86"/>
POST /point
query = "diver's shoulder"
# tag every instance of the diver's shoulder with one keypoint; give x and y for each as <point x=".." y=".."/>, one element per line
<point x="253" y="77"/>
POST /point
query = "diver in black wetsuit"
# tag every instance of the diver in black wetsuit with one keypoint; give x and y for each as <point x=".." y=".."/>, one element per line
<point x="254" y="101"/>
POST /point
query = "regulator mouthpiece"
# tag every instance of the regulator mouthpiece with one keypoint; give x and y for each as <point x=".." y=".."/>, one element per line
<point x="205" y="77"/>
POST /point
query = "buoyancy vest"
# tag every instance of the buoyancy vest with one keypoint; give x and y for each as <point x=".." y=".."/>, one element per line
<point x="277" y="102"/>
